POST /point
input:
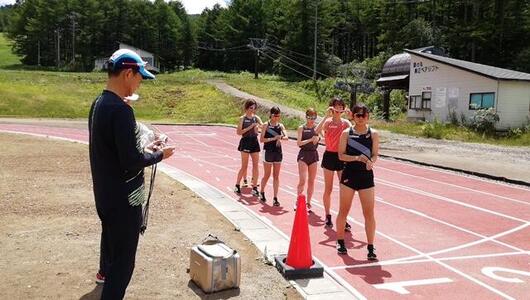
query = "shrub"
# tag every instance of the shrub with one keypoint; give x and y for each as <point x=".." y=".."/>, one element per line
<point x="432" y="130"/>
<point x="515" y="132"/>
<point x="484" y="120"/>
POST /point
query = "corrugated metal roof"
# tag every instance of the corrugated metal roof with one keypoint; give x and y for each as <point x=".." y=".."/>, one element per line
<point x="398" y="64"/>
<point x="488" y="71"/>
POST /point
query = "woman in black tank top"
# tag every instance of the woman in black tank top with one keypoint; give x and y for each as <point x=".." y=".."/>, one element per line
<point x="271" y="136"/>
<point x="358" y="148"/>
<point x="307" y="140"/>
<point x="248" y="129"/>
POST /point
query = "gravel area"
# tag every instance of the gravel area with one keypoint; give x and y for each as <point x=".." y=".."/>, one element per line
<point x="510" y="163"/>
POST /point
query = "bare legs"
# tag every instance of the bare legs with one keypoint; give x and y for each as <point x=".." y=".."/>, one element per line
<point x="244" y="165"/>
<point x="310" y="173"/>
<point x="328" y="188"/>
<point x="367" y="199"/>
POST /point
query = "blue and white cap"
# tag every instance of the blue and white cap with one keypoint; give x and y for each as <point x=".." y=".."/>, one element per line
<point x="126" y="58"/>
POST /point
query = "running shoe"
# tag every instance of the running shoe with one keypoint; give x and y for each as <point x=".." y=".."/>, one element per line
<point x="100" y="279"/>
<point x="309" y="211"/>
<point x="371" y="255"/>
<point x="275" y="202"/>
<point x="245" y="182"/>
<point x="237" y="189"/>
<point x="329" y="223"/>
<point x="341" y="248"/>
<point x="347" y="227"/>
<point x="262" y="197"/>
<point x="255" y="192"/>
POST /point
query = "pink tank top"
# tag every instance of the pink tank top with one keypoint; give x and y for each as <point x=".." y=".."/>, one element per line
<point x="332" y="135"/>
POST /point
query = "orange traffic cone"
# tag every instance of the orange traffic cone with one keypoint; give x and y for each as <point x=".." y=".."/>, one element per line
<point x="299" y="264"/>
<point x="299" y="255"/>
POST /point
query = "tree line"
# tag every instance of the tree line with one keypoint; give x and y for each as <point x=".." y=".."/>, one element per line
<point x="493" y="32"/>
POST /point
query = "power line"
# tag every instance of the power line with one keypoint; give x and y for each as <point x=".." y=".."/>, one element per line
<point x="300" y="64"/>
<point x="222" y="49"/>
<point x="298" y="53"/>
<point x="281" y="63"/>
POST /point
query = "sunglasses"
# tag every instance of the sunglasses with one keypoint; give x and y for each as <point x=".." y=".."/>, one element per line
<point x="311" y="117"/>
<point x="252" y="107"/>
<point x="361" y="115"/>
<point x="275" y="115"/>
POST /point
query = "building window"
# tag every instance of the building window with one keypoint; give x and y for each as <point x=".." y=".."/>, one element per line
<point x="415" y="102"/>
<point x="426" y="100"/>
<point x="481" y="100"/>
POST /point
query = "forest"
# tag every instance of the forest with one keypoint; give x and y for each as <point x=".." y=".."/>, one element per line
<point x="285" y="37"/>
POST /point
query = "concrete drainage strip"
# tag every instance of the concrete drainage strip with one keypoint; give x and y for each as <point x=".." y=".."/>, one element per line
<point x="268" y="239"/>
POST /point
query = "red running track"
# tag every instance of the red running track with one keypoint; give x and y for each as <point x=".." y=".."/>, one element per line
<point x="440" y="235"/>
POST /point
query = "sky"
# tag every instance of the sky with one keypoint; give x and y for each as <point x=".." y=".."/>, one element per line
<point x="192" y="6"/>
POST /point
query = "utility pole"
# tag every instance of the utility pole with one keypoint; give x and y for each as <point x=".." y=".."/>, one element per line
<point x="256" y="61"/>
<point x="58" y="32"/>
<point x="73" y="40"/>
<point x="315" y="45"/>
<point x="257" y="45"/>
<point x="72" y="16"/>
<point x="38" y="53"/>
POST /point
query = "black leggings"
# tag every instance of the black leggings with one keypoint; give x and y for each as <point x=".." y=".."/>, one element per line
<point x="119" y="240"/>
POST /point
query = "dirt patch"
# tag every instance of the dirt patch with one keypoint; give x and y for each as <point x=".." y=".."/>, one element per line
<point x="49" y="232"/>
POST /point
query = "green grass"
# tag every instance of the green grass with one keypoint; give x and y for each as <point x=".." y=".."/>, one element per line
<point x="449" y="132"/>
<point x="178" y="97"/>
<point x="182" y="97"/>
<point x="7" y="57"/>
<point x="271" y="87"/>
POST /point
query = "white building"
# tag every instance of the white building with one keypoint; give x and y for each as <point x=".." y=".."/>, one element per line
<point x="439" y="85"/>
<point x="152" y="63"/>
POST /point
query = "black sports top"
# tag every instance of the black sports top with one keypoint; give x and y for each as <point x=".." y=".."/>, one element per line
<point x="308" y="133"/>
<point x="248" y="122"/>
<point x="272" y="146"/>
<point x="359" y="144"/>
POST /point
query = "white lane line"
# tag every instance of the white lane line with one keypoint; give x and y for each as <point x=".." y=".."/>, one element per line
<point x="45" y="136"/>
<point x="379" y="199"/>
<point x="393" y="161"/>
<point x="399" y="287"/>
<point x="442" y="198"/>
<point x="484" y="238"/>
<point x="491" y="238"/>
<point x="452" y="258"/>
<point x="455" y="185"/>
<point x="431" y="195"/>
<point x="420" y="253"/>
<point x="453" y="173"/>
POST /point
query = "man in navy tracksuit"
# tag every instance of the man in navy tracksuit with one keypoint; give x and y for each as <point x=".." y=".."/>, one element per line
<point x="117" y="161"/>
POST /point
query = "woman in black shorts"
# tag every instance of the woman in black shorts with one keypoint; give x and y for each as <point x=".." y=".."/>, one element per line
<point x="307" y="140"/>
<point x="332" y="126"/>
<point x="248" y="126"/>
<point x="358" y="148"/>
<point x="272" y="134"/>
